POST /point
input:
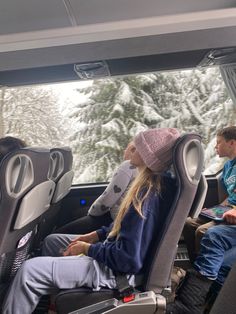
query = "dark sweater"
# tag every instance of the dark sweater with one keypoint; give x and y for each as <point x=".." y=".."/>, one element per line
<point x="127" y="253"/>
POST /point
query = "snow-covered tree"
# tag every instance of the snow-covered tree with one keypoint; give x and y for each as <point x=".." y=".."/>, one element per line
<point x="113" y="111"/>
<point x="32" y="113"/>
<point x="116" y="109"/>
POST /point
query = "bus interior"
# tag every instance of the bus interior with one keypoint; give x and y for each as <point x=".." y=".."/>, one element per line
<point x="74" y="41"/>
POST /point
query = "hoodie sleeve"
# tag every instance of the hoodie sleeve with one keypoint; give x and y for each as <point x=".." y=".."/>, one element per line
<point x="127" y="253"/>
<point x="103" y="232"/>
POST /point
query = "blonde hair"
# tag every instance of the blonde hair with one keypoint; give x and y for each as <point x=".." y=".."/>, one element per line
<point x="147" y="180"/>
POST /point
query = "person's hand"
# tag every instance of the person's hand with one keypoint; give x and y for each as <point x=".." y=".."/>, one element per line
<point x="230" y="216"/>
<point x="91" y="237"/>
<point x="76" y="248"/>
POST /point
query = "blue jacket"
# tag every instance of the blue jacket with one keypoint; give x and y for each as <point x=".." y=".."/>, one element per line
<point x="127" y="253"/>
<point x="228" y="180"/>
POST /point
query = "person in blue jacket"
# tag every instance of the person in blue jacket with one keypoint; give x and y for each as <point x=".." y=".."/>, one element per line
<point x="195" y="228"/>
<point x="217" y="252"/>
<point x="211" y="267"/>
<point x="91" y="260"/>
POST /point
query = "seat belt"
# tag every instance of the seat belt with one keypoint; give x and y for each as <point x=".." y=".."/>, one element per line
<point x="126" y="291"/>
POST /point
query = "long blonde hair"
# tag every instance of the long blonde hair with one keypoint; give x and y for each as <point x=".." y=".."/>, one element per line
<point x="147" y="180"/>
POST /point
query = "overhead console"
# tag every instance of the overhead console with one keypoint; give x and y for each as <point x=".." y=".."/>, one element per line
<point x="100" y="69"/>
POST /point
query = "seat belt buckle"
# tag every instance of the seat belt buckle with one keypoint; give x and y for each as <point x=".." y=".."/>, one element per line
<point x="128" y="298"/>
<point x="126" y="292"/>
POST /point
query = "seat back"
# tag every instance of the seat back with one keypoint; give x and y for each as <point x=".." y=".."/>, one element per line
<point x="199" y="197"/>
<point x="61" y="172"/>
<point x="26" y="194"/>
<point x="226" y="301"/>
<point x="188" y="165"/>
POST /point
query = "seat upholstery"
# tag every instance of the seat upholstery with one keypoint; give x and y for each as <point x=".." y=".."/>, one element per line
<point x="26" y="194"/>
<point x="60" y="171"/>
<point x="188" y="165"/>
<point x="199" y="197"/>
<point x="226" y="301"/>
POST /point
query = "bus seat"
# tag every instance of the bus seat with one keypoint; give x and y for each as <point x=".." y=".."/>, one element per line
<point x="199" y="197"/>
<point x="60" y="171"/>
<point x="226" y="301"/>
<point x="26" y="194"/>
<point x="188" y="164"/>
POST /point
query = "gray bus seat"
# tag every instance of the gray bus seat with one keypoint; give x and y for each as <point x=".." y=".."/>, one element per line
<point x="26" y="194"/>
<point x="188" y="165"/>
<point x="199" y="198"/>
<point x="226" y="301"/>
<point x="60" y="171"/>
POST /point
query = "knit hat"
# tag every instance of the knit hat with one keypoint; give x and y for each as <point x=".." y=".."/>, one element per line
<point x="155" y="147"/>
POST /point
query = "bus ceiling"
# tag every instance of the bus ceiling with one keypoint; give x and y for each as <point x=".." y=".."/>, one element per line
<point x="59" y="40"/>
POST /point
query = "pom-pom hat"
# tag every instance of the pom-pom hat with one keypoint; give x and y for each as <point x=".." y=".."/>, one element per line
<point x="155" y="147"/>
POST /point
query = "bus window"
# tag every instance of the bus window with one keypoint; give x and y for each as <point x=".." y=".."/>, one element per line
<point x="98" y="118"/>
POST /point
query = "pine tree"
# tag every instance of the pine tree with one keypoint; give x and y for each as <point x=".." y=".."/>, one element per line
<point x="197" y="101"/>
<point x="191" y="100"/>
<point x="116" y="110"/>
<point x="32" y="114"/>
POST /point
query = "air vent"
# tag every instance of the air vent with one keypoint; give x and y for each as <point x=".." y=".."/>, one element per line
<point x="219" y="57"/>
<point x="88" y="71"/>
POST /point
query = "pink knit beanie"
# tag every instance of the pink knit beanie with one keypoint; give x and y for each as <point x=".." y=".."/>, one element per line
<point x="155" y="147"/>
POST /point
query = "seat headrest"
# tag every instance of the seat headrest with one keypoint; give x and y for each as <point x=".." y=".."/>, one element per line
<point x="60" y="162"/>
<point x="18" y="170"/>
<point x="188" y="157"/>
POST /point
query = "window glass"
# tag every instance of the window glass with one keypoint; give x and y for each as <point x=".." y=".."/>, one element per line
<point x="98" y="118"/>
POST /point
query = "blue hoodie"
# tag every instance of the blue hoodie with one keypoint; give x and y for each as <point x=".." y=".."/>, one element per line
<point x="127" y="253"/>
<point x="228" y="180"/>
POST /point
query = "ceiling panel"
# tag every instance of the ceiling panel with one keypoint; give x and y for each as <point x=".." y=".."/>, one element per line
<point x="100" y="11"/>
<point x="54" y="34"/>
<point x="31" y="15"/>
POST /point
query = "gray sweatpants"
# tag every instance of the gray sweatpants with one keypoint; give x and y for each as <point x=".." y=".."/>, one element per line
<point x="45" y="275"/>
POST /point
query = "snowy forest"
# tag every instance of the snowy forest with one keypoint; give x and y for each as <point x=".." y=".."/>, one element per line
<point x="97" y="119"/>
